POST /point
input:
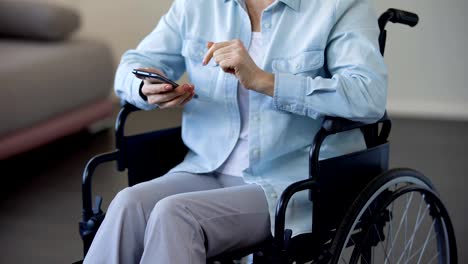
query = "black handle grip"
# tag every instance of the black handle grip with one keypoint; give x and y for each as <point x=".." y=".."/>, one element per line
<point x="404" y="17"/>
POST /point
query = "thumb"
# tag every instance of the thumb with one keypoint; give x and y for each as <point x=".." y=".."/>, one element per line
<point x="209" y="44"/>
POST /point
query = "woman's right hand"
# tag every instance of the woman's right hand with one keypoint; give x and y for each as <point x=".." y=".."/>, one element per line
<point x="164" y="95"/>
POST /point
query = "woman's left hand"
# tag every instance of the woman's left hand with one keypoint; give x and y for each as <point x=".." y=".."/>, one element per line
<point x="234" y="58"/>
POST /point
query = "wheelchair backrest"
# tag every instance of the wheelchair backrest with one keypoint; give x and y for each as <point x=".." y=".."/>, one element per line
<point x="150" y="155"/>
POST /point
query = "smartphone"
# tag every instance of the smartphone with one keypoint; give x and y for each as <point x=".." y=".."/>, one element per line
<point x="145" y="74"/>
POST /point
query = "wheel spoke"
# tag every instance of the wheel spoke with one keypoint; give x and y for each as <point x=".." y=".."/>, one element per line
<point x="417" y="218"/>
<point x="389" y="229"/>
<point x="422" y="249"/>
<point x="344" y="261"/>
<point x="373" y="253"/>
<point x="362" y="257"/>
<point x="428" y="238"/>
<point x="434" y="257"/>
<point x="400" y="225"/>
<point x="352" y="241"/>
<point x="411" y="232"/>
<point x="406" y="229"/>
<point x="381" y="244"/>
<point x="410" y="242"/>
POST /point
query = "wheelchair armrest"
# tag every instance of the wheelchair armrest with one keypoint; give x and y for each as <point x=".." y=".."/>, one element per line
<point x="280" y="239"/>
<point x="125" y="110"/>
<point x="92" y="217"/>
<point x="333" y="125"/>
<point x="97" y="160"/>
<point x="86" y="186"/>
<point x="132" y="152"/>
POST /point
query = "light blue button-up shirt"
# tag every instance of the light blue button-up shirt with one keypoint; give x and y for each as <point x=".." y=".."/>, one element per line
<point x="326" y="61"/>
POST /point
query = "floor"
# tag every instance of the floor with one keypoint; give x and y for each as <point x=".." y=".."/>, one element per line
<point x="40" y="203"/>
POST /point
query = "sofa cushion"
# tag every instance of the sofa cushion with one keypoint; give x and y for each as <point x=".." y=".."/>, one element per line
<point x="33" y="20"/>
<point x="40" y="80"/>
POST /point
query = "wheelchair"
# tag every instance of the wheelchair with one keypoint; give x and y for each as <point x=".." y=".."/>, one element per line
<point x="363" y="212"/>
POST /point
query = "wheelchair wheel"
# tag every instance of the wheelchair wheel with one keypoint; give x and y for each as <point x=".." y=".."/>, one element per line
<point x="398" y="218"/>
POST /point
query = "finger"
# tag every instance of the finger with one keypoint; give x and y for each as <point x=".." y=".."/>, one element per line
<point x="176" y="101"/>
<point x="234" y="50"/>
<point x="212" y="49"/>
<point x="228" y="65"/>
<point x="169" y="96"/>
<point x="190" y="97"/>
<point x="167" y="104"/>
<point x="188" y="91"/>
<point x="162" y="98"/>
<point x="186" y="99"/>
<point x="225" y="50"/>
<point x="151" y="88"/>
<point x="209" y="44"/>
<point x="222" y="57"/>
<point x="186" y="87"/>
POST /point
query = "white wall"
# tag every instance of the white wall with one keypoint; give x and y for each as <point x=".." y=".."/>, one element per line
<point x="122" y="23"/>
<point x="428" y="64"/>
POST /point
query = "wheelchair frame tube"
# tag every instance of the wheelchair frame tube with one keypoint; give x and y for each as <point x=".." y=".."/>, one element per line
<point x="395" y="16"/>
<point x="120" y="131"/>
<point x="314" y="167"/>
<point x="280" y="217"/>
<point x="330" y="126"/>
<point x="334" y="125"/>
<point x="87" y="180"/>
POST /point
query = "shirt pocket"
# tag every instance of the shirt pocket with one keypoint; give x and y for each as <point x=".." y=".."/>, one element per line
<point x="203" y="77"/>
<point x="305" y="63"/>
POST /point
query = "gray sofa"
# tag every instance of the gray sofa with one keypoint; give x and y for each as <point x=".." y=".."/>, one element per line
<point x="51" y="84"/>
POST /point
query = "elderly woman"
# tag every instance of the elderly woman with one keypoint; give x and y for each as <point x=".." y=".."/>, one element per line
<point x="264" y="73"/>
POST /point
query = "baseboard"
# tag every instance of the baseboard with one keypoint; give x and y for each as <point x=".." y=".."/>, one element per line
<point x="48" y="130"/>
<point x="456" y="111"/>
<point x="101" y="125"/>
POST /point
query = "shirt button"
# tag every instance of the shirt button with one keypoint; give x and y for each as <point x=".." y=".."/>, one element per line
<point x="256" y="118"/>
<point x="256" y="153"/>
<point x="297" y="66"/>
<point x="267" y="25"/>
<point x="274" y="195"/>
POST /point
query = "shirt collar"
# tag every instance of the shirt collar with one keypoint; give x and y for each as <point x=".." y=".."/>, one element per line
<point x="294" y="4"/>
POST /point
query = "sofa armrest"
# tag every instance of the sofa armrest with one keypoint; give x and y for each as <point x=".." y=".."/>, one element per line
<point x="39" y="21"/>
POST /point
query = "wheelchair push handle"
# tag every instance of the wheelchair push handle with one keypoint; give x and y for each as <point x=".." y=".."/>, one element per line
<point x="399" y="17"/>
<point x="404" y="17"/>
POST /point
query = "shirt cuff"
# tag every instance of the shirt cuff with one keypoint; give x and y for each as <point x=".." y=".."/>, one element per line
<point x="289" y="92"/>
<point x="142" y="95"/>
<point x="140" y="102"/>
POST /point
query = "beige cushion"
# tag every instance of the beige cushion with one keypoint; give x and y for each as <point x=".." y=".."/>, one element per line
<point x="40" y="80"/>
<point x="36" y="20"/>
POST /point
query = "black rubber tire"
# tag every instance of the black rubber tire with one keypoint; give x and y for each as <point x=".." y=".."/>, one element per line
<point x="371" y="189"/>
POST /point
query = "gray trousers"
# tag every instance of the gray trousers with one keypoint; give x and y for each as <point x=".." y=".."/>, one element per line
<point x="181" y="218"/>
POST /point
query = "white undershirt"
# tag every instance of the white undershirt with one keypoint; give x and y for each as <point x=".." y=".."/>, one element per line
<point x="238" y="160"/>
